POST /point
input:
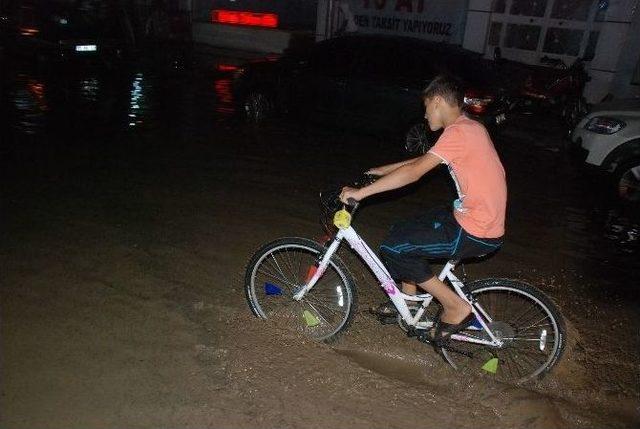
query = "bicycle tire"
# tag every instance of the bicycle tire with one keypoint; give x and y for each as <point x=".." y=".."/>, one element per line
<point x="327" y="301"/>
<point x="504" y="324"/>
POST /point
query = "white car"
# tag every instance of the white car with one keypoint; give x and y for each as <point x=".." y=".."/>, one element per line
<point x="609" y="137"/>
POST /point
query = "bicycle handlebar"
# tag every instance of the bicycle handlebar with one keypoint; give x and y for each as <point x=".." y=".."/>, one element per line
<point x="330" y="199"/>
<point x="353" y="203"/>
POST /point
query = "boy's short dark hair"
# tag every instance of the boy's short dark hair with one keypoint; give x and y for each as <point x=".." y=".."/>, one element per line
<point x="447" y="87"/>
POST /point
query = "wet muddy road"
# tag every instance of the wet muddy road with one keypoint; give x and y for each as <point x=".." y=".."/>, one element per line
<point x="131" y="204"/>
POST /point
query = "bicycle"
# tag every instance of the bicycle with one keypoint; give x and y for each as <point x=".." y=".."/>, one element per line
<point x="518" y="334"/>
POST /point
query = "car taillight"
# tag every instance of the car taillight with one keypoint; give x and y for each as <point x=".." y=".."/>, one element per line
<point x="477" y="103"/>
<point x="26" y="31"/>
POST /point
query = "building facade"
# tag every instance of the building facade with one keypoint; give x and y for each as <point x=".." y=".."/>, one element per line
<point x="605" y="33"/>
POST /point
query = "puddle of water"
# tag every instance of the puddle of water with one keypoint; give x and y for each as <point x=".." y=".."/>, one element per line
<point x="395" y="368"/>
<point x="30" y="103"/>
<point x="516" y="406"/>
<point x="89" y="113"/>
<point x="224" y="96"/>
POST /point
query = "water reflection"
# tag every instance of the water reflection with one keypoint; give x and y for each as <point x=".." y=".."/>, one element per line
<point x="137" y="99"/>
<point x="89" y="88"/>
<point x="224" y="96"/>
<point x="31" y="105"/>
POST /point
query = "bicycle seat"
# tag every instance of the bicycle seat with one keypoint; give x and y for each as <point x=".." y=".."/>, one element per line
<point x="461" y="260"/>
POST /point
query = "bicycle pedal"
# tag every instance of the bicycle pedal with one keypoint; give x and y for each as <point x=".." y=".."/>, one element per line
<point x="413" y="333"/>
<point x="421" y="335"/>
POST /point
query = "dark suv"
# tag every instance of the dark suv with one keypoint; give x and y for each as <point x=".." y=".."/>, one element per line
<point x="368" y="80"/>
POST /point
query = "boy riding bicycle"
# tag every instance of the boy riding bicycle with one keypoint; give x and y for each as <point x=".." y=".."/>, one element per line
<point x="475" y="225"/>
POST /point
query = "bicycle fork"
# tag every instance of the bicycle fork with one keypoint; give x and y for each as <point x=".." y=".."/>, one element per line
<point x="321" y="268"/>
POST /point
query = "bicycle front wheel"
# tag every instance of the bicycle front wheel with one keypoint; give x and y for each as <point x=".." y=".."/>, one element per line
<point x="528" y="323"/>
<point x="279" y="269"/>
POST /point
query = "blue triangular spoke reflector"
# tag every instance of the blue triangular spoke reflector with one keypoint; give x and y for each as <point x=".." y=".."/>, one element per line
<point x="271" y="289"/>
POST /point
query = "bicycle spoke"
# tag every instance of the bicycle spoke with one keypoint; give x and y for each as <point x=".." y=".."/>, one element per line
<point x="507" y="364"/>
<point x="529" y="319"/>
<point x="285" y="282"/>
<point x="333" y="310"/>
<point x="524" y="339"/>
<point x="288" y="261"/>
<point x="519" y="318"/>
<point x="278" y="266"/>
<point x="528" y="352"/>
<point x="319" y="314"/>
<point x="535" y="323"/>
<point x="290" y="264"/>
<point x="273" y="276"/>
<point x="273" y="268"/>
<point x="300" y="266"/>
<point x="515" y="364"/>
<point x="528" y="328"/>
<point x="523" y="357"/>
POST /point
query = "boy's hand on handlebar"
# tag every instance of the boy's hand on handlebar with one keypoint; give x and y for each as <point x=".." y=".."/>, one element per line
<point x="350" y="193"/>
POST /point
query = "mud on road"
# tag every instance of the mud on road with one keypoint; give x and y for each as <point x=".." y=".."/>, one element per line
<point x="124" y="247"/>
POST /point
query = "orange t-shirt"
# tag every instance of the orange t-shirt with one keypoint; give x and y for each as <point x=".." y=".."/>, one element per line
<point x="466" y="148"/>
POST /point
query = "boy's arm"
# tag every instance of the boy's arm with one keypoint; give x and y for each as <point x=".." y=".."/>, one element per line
<point x="386" y="169"/>
<point x="403" y="175"/>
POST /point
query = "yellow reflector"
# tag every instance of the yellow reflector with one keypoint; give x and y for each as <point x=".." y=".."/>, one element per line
<point x="342" y="219"/>
<point x="491" y="365"/>
<point x="310" y="319"/>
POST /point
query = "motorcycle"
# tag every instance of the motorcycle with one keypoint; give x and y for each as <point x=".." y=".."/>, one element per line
<point x="556" y="89"/>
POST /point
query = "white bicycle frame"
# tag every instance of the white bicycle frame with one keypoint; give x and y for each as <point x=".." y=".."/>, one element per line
<point x="390" y="287"/>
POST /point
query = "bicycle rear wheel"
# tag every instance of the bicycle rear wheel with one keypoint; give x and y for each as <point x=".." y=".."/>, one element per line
<point x="279" y="269"/>
<point x="528" y="323"/>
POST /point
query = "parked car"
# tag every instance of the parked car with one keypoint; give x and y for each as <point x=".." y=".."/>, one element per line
<point x="51" y="30"/>
<point x="608" y="138"/>
<point x="367" y="80"/>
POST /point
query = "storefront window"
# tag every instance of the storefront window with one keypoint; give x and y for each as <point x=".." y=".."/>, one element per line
<point x="494" y="34"/>
<point x="576" y="10"/>
<point x="528" y="7"/>
<point x="499" y="6"/>
<point x="590" y="52"/>
<point x="603" y="5"/>
<point x="522" y="36"/>
<point x="635" y="80"/>
<point x="562" y="41"/>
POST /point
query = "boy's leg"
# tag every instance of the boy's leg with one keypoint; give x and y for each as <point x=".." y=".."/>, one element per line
<point x="455" y="309"/>
<point x="409" y="288"/>
<point x="388" y="309"/>
<point x="406" y="250"/>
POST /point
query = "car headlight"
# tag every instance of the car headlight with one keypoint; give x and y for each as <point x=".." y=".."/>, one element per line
<point x="604" y="125"/>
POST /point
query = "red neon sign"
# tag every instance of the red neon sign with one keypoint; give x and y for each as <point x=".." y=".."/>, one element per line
<point x="237" y="17"/>
<point x="227" y="67"/>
